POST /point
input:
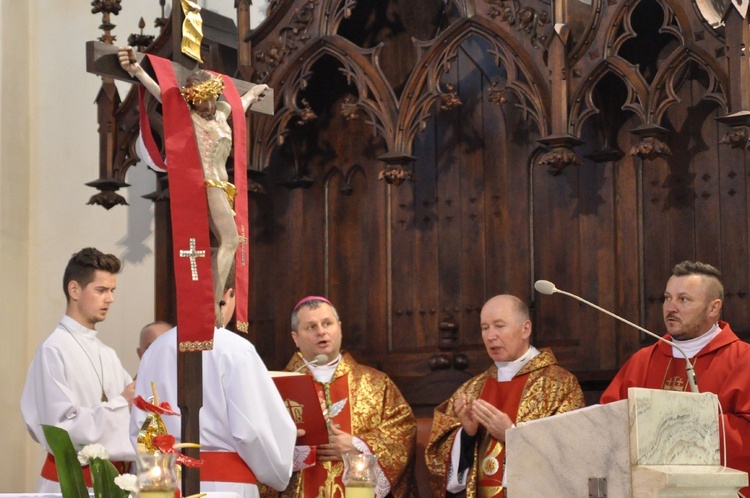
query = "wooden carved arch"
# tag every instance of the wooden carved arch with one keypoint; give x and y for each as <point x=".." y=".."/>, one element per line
<point x="424" y="88"/>
<point x="375" y="97"/>
<point x="583" y="106"/>
<point x="664" y="85"/>
<point x="649" y="101"/>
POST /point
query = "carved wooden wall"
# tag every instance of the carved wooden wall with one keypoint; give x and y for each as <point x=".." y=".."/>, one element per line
<point x="426" y="155"/>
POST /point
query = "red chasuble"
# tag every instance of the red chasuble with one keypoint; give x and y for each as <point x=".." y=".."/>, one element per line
<point x="721" y="367"/>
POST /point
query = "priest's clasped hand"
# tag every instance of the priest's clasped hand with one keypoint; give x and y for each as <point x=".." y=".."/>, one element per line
<point x="474" y="412"/>
<point x="495" y="421"/>
<point x="462" y="410"/>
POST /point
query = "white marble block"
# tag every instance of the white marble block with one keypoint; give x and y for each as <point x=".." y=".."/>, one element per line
<point x="668" y="428"/>
<point x="556" y="456"/>
<point x="655" y="444"/>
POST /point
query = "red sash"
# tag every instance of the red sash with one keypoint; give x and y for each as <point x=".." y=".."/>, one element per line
<point x="314" y="478"/>
<point x="187" y="194"/>
<point x="506" y="397"/>
<point x="242" y="258"/>
<point x="225" y="466"/>
<point x="49" y="470"/>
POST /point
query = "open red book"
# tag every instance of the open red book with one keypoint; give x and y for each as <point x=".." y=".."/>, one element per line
<point x="301" y="399"/>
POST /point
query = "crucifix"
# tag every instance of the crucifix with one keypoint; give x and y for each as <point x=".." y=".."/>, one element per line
<point x="185" y="187"/>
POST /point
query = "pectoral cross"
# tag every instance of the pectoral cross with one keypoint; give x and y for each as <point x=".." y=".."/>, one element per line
<point x="102" y="60"/>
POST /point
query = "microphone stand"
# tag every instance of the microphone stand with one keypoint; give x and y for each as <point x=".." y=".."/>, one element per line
<point x="688" y="365"/>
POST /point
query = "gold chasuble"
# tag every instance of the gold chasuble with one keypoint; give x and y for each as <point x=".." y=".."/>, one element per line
<point x="365" y="403"/>
<point x="540" y="389"/>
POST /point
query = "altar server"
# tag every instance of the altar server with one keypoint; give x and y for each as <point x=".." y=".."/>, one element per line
<point x="75" y="382"/>
<point x="246" y="433"/>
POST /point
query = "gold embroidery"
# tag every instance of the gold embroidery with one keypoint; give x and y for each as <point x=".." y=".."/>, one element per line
<point x="192" y="346"/>
<point x="676" y="383"/>
<point x="549" y="390"/>
<point x="490" y="466"/>
<point x="379" y="416"/>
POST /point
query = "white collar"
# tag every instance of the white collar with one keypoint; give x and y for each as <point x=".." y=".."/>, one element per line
<point x="323" y="373"/>
<point x="72" y="325"/>
<point x="506" y="370"/>
<point x="693" y="346"/>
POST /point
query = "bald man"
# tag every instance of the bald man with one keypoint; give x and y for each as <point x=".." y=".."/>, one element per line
<point x="149" y="333"/>
<point x="466" y="450"/>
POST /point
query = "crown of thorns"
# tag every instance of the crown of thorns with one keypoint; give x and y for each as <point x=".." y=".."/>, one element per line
<point x="211" y="88"/>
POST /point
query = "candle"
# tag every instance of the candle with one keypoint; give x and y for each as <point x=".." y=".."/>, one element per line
<point x="359" y="492"/>
<point x="144" y="493"/>
<point x="359" y="475"/>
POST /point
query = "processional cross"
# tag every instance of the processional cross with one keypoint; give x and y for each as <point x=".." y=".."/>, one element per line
<point x="102" y="60"/>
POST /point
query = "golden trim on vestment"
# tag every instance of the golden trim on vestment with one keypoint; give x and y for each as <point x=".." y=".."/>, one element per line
<point x="380" y="417"/>
<point x="191" y="346"/>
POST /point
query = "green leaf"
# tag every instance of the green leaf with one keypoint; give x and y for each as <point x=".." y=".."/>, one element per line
<point x="103" y="474"/>
<point x="69" y="471"/>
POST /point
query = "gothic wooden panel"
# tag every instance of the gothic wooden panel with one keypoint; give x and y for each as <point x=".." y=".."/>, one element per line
<point x="409" y="265"/>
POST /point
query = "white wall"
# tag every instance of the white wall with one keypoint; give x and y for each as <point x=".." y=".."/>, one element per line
<point x="49" y="144"/>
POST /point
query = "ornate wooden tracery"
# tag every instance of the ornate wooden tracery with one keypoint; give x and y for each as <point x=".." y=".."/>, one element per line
<point x="475" y="102"/>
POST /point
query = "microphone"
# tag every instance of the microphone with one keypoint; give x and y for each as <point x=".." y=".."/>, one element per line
<point x="320" y="359"/>
<point x="548" y="288"/>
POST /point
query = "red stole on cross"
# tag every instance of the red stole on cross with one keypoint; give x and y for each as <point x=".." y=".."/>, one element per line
<point x="323" y="479"/>
<point x="183" y="152"/>
<point x="241" y="258"/>
<point x="190" y="239"/>
<point x="506" y="397"/>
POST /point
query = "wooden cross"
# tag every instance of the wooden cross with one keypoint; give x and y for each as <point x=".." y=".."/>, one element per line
<point x="101" y="59"/>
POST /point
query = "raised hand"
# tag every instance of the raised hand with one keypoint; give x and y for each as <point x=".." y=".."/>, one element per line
<point x="462" y="409"/>
<point x="495" y="421"/>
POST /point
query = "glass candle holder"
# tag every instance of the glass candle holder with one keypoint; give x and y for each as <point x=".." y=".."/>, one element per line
<point x="359" y="475"/>
<point x="157" y="477"/>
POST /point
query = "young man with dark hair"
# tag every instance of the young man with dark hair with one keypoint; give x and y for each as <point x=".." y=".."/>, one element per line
<point x="75" y="382"/>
